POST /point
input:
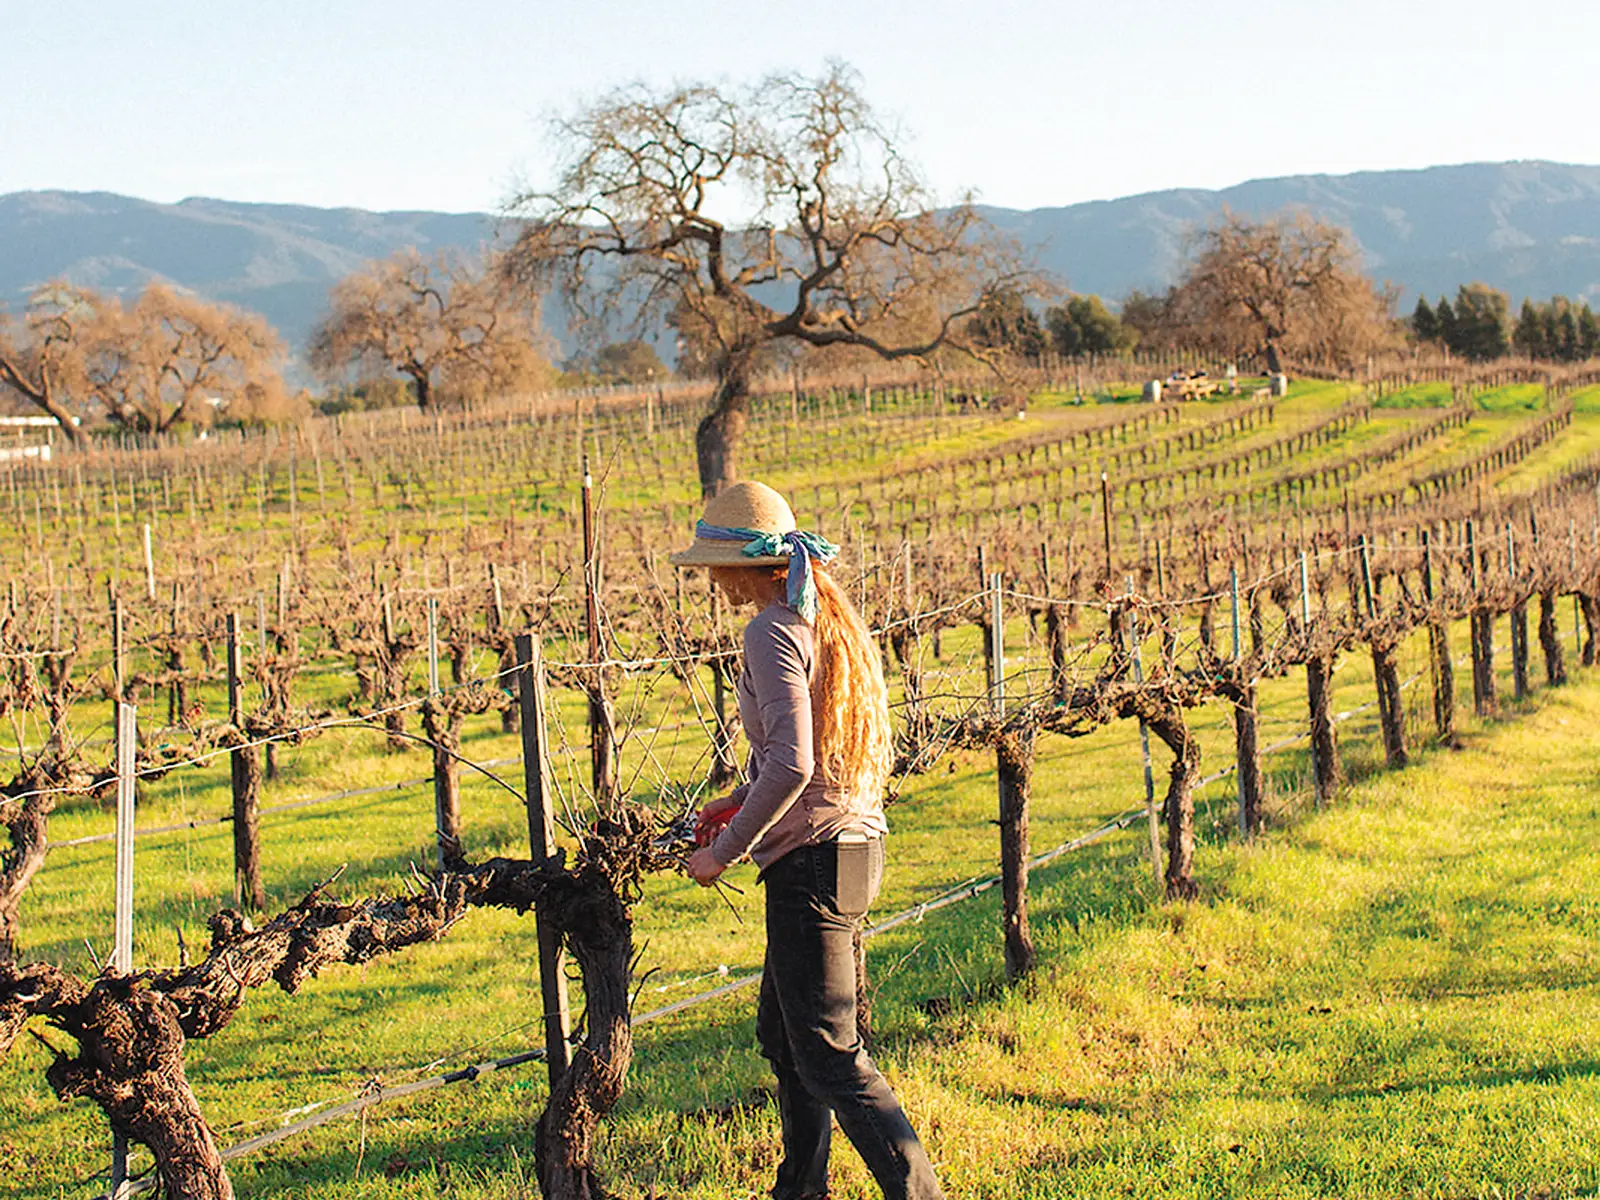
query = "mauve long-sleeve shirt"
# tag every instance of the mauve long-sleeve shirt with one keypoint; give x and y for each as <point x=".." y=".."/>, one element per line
<point x="788" y="801"/>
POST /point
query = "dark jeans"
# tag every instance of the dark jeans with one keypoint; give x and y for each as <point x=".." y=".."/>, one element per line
<point x="806" y="1024"/>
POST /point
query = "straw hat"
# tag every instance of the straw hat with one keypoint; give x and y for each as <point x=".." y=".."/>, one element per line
<point x="744" y="505"/>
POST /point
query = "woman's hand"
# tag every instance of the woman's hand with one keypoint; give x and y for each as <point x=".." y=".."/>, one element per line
<point x="704" y="867"/>
<point x="714" y="818"/>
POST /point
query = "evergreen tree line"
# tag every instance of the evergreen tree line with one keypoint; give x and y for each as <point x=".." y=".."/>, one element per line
<point x="1478" y="326"/>
<point x="1081" y="327"/>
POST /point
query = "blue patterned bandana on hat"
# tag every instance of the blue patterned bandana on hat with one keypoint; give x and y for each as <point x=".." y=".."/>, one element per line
<point x="801" y="548"/>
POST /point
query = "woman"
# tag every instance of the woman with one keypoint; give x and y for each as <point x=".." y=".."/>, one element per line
<point x="815" y="710"/>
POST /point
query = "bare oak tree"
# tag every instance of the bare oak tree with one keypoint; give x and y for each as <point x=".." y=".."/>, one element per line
<point x="174" y="359"/>
<point x="781" y="211"/>
<point x="440" y="321"/>
<point x="168" y="360"/>
<point x="1286" y="286"/>
<point x="40" y="353"/>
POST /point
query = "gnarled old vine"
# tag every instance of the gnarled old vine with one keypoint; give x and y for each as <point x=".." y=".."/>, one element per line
<point x="131" y="1031"/>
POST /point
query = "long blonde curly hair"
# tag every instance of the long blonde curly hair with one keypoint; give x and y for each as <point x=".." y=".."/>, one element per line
<point x="851" y="735"/>
<point x="849" y="700"/>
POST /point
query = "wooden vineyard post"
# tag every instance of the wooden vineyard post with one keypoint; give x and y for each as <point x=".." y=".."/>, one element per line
<point x="1326" y="774"/>
<point x="540" y="791"/>
<point x="1055" y="629"/>
<point x="149" y="567"/>
<point x="1152" y="817"/>
<point x="982" y="619"/>
<point x="1169" y="635"/>
<point x="118" y="666"/>
<point x="1589" y="600"/>
<point x="1385" y="673"/>
<point x="245" y="766"/>
<point x="1519" y="621"/>
<point x="1440" y="667"/>
<point x="1572" y="576"/>
<point x="392" y="672"/>
<point x="270" y="750"/>
<point x="1555" y="663"/>
<point x="1014" y="754"/>
<point x="285" y="577"/>
<point x="177" y="692"/>
<point x="1483" y="700"/>
<point x="602" y="739"/>
<point x="1014" y="751"/>
<point x="122" y="940"/>
<point x="496" y="600"/>
<point x="443" y="741"/>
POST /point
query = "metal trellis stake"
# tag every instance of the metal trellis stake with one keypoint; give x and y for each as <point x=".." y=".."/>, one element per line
<point x="1233" y="588"/>
<point x="433" y="645"/>
<point x="997" y="661"/>
<point x="117" y="664"/>
<point x="1105" y="517"/>
<point x="601" y="750"/>
<point x="1366" y="576"/>
<point x="540" y="791"/>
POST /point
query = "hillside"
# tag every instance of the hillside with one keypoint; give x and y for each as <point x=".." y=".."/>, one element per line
<point x="276" y="259"/>
<point x="1531" y="228"/>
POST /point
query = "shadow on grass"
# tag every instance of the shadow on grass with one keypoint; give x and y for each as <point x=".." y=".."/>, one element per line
<point x="290" y="876"/>
<point x="1553" y="1074"/>
<point x="956" y="955"/>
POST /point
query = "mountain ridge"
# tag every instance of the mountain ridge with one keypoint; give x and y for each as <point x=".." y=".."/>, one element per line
<point x="1530" y="227"/>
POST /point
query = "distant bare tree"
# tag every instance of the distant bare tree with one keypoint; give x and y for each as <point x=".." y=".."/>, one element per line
<point x="170" y="359"/>
<point x="40" y="352"/>
<point x="440" y="321"/>
<point x="837" y="242"/>
<point x="174" y="359"/>
<point x="1288" y="285"/>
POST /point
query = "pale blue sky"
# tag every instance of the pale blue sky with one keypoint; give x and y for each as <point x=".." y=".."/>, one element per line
<point x="393" y="104"/>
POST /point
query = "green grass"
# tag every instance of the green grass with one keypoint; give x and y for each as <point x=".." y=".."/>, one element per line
<point x="1120" y="1062"/>
<point x="1549" y="461"/>
<point x="1586" y="400"/>
<point x="1514" y="397"/>
<point x="1419" y="395"/>
<point x="1116" y="1067"/>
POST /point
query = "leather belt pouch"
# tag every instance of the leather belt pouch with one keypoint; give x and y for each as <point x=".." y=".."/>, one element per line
<point x="853" y="882"/>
